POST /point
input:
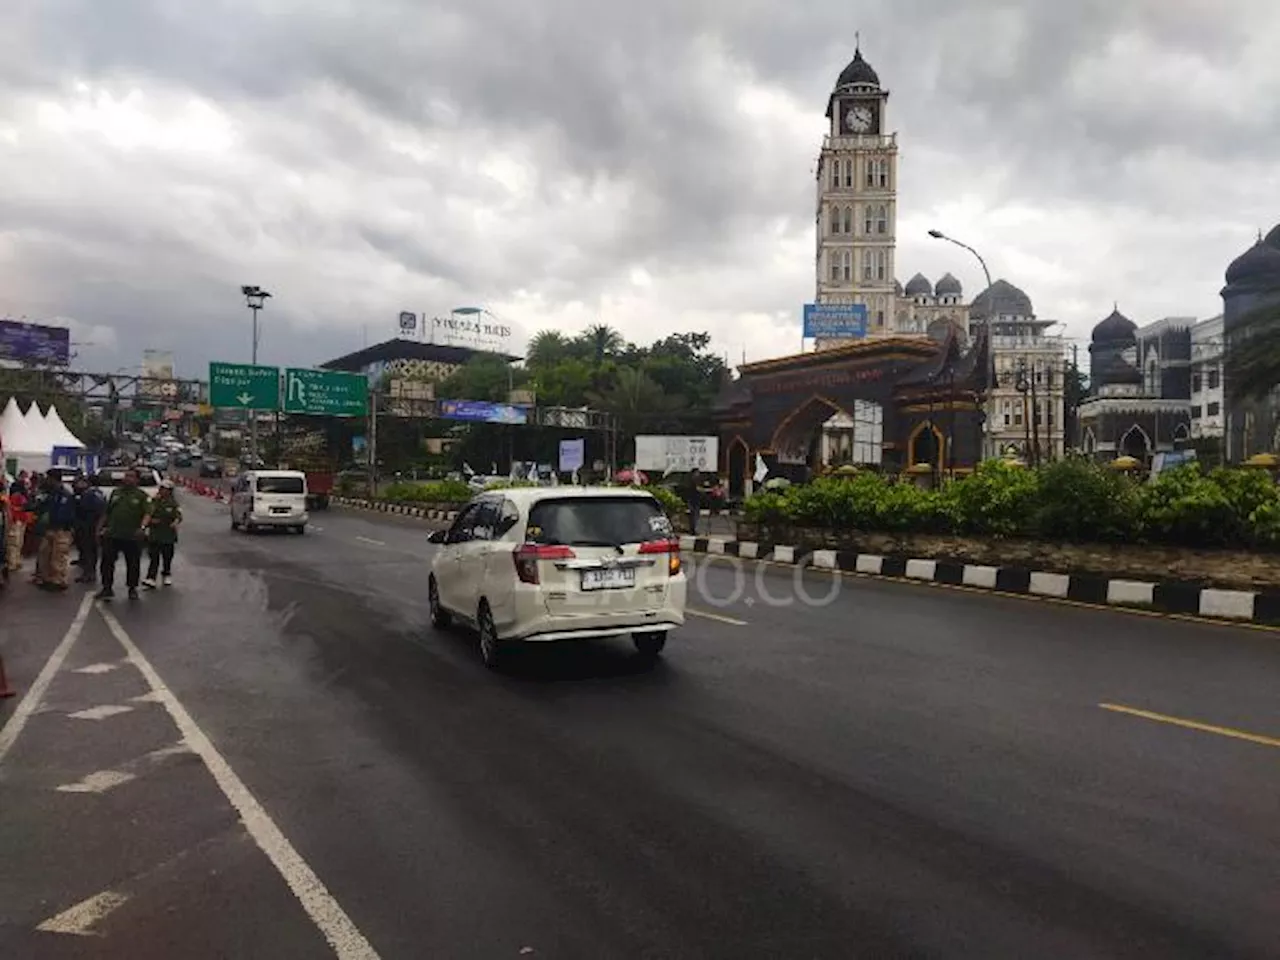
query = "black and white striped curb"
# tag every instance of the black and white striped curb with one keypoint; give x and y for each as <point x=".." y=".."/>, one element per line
<point x="1187" y="599"/>
<point x="401" y="509"/>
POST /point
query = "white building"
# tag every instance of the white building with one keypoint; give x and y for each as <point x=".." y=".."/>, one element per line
<point x="1207" y="410"/>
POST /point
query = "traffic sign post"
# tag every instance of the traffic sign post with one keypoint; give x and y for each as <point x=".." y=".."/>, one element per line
<point x="243" y="386"/>
<point x="326" y="392"/>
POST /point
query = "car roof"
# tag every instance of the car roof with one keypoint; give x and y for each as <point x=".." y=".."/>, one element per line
<point x="274" y="473"/>
<point x="528" y="496"/>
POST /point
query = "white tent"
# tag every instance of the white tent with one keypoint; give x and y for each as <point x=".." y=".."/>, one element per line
<point x="58" y="432"/>
<point x="38" y="438"/>
<point x="12" y="426"/>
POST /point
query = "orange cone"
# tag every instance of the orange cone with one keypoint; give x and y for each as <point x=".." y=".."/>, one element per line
<point x="5" y="689"/>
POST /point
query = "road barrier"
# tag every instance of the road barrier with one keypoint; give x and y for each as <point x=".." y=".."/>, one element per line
<point x="201" y="488"/>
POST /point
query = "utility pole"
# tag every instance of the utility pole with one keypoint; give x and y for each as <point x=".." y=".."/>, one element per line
<point x="372" y="445"/>
<point x="255" y="297"/>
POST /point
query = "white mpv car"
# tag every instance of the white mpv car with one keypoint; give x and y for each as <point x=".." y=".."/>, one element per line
<point x="559" y="563"/>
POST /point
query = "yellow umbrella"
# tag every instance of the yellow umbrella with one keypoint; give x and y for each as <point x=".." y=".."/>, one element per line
<point x="1125" y="463"/>
<point x="1267" y="461"/>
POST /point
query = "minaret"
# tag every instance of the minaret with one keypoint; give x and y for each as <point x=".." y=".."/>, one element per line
<point x="857" y="200"/>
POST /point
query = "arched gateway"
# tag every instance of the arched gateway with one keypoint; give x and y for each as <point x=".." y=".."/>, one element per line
<point x="888" y="402"/>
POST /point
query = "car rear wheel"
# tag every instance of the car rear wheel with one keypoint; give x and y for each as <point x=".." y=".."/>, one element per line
<point x="649" y="645"/>
<point x="440" y="618"/>
<point x="492" y="649"/>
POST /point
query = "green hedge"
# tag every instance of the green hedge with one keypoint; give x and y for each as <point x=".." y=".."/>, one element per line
<point x="1068" y="501"/>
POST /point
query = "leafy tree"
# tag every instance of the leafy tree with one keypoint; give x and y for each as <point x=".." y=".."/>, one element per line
<point x="486" y="376"/>
<point x="546" y="349"/>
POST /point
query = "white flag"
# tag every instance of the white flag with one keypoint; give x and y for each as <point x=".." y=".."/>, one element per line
<point x="466" y="470"/>
<point x="762" y="469"/>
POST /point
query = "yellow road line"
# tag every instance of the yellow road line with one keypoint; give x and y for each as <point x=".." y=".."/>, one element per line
<point x="719" y="618"/>
<point x="1193" y="725"/>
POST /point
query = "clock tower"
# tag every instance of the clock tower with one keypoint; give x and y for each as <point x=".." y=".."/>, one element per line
<point x="857" y="200"/>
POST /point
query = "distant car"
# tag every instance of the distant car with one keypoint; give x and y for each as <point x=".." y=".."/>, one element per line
<point x="559" y="563"/>
<point x="108" y="479"/>
<point x="269" y="498"/>
<point x="211" y="468"/>
<point x="182" y="459"/>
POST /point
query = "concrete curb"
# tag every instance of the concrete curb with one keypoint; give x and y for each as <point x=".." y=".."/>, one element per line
<point x="400" y="509"/>
<point x="1172" y="597"/>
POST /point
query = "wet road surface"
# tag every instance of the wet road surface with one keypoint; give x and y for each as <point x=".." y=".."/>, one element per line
<point x="901" y="771"/>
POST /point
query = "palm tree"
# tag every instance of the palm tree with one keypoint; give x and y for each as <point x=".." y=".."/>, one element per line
<point x="603" y="341"/>
<point x="546" y="349"/>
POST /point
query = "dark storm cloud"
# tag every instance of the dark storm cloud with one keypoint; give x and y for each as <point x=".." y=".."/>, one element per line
<point x="362" y="130"/>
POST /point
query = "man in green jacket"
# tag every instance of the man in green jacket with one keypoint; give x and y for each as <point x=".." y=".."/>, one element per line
<point x="122" y="529"/>
<point x="162" y="536"/>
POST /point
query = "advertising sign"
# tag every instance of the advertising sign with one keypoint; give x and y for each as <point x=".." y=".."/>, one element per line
<point x="157" y="374"/>
<point x="408" y="323"/>
<point x="326" y="392"/>
<point x="34" y="343"/>
<point x="244" y="386"/>
<point x="677" y="454"/>
<point x="471" y="327"/>
<point x="482" y="411"/>
<point x="573" y="454"/>
<point x="847" y="321"/>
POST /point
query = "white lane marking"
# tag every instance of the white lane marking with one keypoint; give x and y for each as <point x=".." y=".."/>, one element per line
<point x="79" y="920"/>
<point x="316" y="529"/>
<point x="719" y="618"/>
<point x="376" y="543"/>
<point x="100" y="713"/>
<point x="326" y="913"/>
<point x="149" y="697"/>
<point x="97" y="668"/>
<point x="27" y="705"/>
<point x="100" y="781"/>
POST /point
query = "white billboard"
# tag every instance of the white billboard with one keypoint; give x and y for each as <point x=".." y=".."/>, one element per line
<point x="677" y="454"/>
<point x="473" y="328"/>
<point x="157" y="369"/>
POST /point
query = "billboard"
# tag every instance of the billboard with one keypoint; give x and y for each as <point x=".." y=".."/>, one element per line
<point x="847" y="321"/>
<point x="573" y="454"/>
<point x="157" y="373"/>
<point x="482" y="411"/>
<point x="34" y="343"/>
<point x="471" y="327"/>
<point x="677" y="454"/>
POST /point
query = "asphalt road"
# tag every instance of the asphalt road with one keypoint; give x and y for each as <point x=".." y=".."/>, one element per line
<point x="901" y="771"/>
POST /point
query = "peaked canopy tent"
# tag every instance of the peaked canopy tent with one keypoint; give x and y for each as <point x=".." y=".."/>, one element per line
<point x="35" y="440"/>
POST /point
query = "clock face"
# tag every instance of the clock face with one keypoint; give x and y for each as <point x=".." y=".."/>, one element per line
<point x="859" y="118"/>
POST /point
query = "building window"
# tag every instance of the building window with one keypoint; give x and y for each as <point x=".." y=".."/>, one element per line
<point x="882" y="219"/>
<point x="878" y="173"/>
<point x="835" y="265"/>
<point x="847" y="262"/>
<point x="835" y="221"/>
<point x="846" y="220"/>
<point x="867" y="221"/>
<point x="1195" y="412"/>
<point x="868" y="432"/>
<point x="1017" y="413"/>
<point x="879" y="318"/>
<point x="1213" y="409"/>
<point x="1195" y="383"/>
<point x="835" y="174"/>
<point x="1006" y="408"/>
<point x="882" y="264"/>
<point x="1213" y="379"/>
<point x="867" y="268"/>
<point x="848" y="173"/>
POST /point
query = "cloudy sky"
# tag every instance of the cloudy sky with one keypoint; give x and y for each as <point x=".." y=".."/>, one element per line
<point x="572" y="161"/>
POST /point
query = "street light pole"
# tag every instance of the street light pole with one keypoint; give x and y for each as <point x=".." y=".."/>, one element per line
<point x="255" y="297"/>
<point x="991" y="346"/>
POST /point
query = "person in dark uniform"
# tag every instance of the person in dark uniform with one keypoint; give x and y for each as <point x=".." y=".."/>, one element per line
<point x="90" y="506"/>
<point x="694" y="499"/>
<point x="121" y="530"/>
<point x="162" y="536"/>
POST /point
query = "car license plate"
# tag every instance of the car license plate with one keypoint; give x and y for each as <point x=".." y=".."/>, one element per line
<point x="609" y="578"/>
<point x="279" y="509"/>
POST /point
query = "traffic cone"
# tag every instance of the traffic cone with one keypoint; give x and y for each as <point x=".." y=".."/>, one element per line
<point x="5" y="690"/>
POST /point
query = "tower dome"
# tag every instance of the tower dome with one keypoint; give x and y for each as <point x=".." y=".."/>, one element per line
<point x="948" y="286"/>
<point x="919" y="286"/>
<point x="1260" y="261"/>
<point x="1006" y="299"/>
<point x="858" y="72"/>
<point x="1272" y="239"/>
<point x="1115" y="328"/>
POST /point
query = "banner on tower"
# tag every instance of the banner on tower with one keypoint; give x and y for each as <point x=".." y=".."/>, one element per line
<point x="835" y="321"/>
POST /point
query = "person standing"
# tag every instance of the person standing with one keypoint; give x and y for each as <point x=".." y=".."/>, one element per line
<point x="90" y="506"/>
<point x="56" y="518"/>
<point x="695" y="500"/>
<point x="121" y="530"/>
<point x="17" y="532"/>
<point x="162" y="536"/>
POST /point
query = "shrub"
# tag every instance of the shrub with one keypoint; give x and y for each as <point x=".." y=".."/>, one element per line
<point x="438" y="491"/>
<point x="672" y="505"/>
<point x="1079" y="501"/>
<point x="997" y="499"/>
<point x="1184" y="506"/>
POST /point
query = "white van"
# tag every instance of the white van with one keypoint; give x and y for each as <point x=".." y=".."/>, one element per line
<point x="269" y="498"/>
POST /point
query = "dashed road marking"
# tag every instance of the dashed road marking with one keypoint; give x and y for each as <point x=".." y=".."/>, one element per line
<point x="326" y="913"/>
<point x="97" y="668"/>
<point x="100" y="713"/>
<point x="35" y="693"/>
<point x="376" y="543"/>
<point x="100" y="781"/>
<point x="80" y="919"/>
<point x="718" y="617"/>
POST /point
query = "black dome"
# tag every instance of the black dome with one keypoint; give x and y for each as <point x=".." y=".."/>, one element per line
<point x="1117" y="328"/>
<point x="1273" y="238"/>
<point x="919" y="286"/>
<point x="1008" y="299"/>
<point x="1262" y="260"/>
<point x="858" y="71"/>
<point x="948" y="286"/>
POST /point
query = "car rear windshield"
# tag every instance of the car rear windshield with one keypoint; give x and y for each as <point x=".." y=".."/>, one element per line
<point x="597" y="521"/>
<point x="115" y="478"/>
<point x="280" y="485"/>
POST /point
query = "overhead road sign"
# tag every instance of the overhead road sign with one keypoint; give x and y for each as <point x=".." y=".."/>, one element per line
<point x="243" y="386"/>
<point x="326" y="392"/>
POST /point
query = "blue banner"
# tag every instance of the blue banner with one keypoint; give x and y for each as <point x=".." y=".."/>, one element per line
<point x="835" y="320"/>
<point x="34" y="343"/>
<point x="482" y="411"/>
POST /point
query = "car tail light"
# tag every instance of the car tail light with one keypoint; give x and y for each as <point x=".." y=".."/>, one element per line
<point x="527" y="555"/>
<point x="670" y="547"/>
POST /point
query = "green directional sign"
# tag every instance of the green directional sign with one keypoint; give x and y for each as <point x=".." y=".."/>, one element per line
<point x="243" y="386"/>
<point x="327" y="392"/>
